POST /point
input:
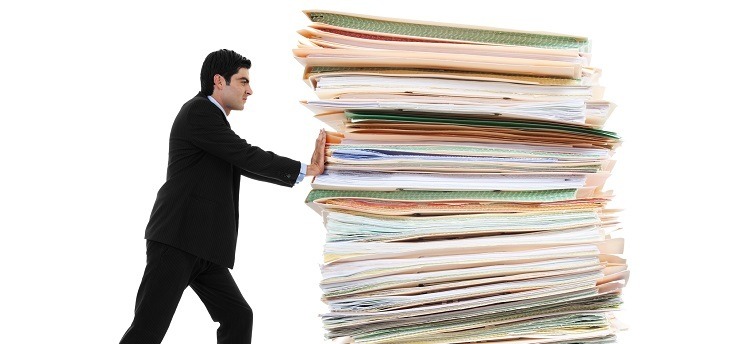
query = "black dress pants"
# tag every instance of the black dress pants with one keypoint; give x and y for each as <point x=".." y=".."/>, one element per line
<point x="168" y="272"/>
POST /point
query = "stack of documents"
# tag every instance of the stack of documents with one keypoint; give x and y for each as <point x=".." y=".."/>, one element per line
<point x="463" y="194"/>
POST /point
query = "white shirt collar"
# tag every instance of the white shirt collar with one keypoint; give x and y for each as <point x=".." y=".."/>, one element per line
<point x="216" y="104"/>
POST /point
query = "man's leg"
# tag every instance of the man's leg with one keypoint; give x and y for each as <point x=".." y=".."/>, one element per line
<point x="167" y="274"/>
<point x="220" y="294"/>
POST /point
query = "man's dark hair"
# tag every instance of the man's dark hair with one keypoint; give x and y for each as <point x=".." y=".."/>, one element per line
<point x="224" y="62"/>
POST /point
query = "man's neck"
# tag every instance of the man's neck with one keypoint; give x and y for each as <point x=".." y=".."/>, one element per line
<point x="215" y="100"/>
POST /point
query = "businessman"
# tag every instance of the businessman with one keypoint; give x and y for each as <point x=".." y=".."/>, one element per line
<point x="192" y="231"/>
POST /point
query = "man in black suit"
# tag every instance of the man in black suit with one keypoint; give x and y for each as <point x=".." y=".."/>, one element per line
<point x="192" y="231"/>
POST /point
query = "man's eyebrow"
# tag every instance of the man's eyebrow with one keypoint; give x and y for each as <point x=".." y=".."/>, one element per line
<point x="244" y="79"/>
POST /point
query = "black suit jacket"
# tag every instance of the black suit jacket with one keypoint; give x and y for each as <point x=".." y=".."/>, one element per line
<point x="197" y="208"/>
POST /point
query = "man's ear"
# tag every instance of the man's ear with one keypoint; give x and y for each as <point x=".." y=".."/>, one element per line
<point x="218" y="81"/>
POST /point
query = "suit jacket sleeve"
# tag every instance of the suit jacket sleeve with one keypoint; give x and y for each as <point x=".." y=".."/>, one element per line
<point x="263" y="178"/>
<point x="210" y="132"/>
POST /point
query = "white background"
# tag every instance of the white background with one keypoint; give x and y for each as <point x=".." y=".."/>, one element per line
<point x="90" y="90"/>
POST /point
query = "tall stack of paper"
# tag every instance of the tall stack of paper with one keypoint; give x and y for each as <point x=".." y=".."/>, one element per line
<point x="463" y="193"/>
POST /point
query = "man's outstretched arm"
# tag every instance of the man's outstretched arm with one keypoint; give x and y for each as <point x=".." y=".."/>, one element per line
<point x="316" y="166"/>
<point x="209" y="131"/>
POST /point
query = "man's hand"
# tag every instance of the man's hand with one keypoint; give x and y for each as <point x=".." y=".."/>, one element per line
<point x="316" y="166"/>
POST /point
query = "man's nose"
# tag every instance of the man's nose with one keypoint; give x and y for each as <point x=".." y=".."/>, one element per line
<point x="249" y="91"/>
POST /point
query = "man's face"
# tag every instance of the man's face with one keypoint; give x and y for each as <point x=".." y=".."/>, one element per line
<point x="234" y="95"/>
